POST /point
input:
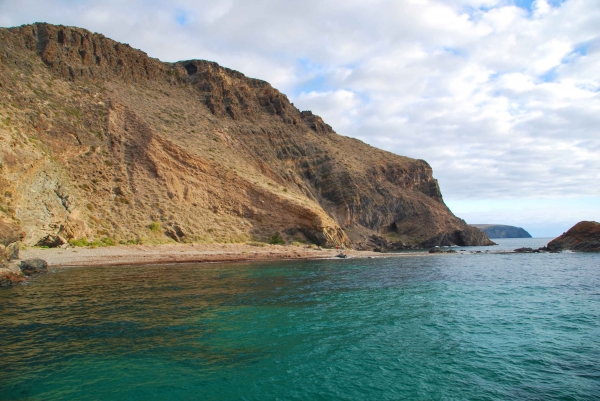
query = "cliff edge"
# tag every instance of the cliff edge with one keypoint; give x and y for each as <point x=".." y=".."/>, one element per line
<point x="101" y="142"/>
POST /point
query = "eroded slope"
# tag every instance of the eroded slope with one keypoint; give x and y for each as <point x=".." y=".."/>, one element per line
<point x="98" y="140"/>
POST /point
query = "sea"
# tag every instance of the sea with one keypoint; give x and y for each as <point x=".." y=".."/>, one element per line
<point x="465" y="326"/>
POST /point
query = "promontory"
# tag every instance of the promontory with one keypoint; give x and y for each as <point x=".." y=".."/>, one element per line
<point x="100" y="142"/>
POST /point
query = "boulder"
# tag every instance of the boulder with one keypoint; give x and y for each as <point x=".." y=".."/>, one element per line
<point x="33" y="266"/>
<point x="52" y="241"/>
<point x="12" y="251"/>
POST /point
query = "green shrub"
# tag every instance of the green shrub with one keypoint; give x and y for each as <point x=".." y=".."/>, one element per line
<point x="155" y="226"/>
<point x="108" y="241"/>
<point x="79" y="242"/>
<point x="276" y="239"/>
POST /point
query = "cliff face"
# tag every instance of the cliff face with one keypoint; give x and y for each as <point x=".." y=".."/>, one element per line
<point x="583" y="236"/>
<point x="502" y="231"/>
<point x="100" y="141"/>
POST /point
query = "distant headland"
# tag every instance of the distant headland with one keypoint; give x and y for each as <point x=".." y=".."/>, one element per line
<point x="502" y="231"/>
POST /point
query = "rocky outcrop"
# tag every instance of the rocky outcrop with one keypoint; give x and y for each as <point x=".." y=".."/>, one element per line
<point x="502" y="231"/>
<point x="52" y="241"/>
<point x="30" y="267"/>
<point x="98" y="141"/>
<point x="11" y="236"/>
<point x="583" y="237"/>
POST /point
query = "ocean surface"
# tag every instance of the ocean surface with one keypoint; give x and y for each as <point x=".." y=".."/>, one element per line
<point x="466" y="326"/>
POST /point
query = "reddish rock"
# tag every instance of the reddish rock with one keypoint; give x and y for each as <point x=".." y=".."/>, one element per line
<point x="583" y="236"/>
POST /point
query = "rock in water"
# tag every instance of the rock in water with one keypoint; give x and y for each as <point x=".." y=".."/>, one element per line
<point x="131" y="140"/>
<point x="583" y="236"/>
<point x="33" y="266"/>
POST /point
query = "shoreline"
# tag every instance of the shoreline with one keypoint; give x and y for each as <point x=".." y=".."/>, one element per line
<point x="129" y="255"/>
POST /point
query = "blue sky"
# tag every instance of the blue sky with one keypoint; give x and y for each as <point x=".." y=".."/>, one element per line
<point x="501" y="97"/>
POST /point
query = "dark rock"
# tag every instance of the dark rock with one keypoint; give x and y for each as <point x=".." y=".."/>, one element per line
<point x="441" y="250"/>
<point x="52" y="241"/>
<point x="583" y="237"/>
<point x="524" y="250"/>
<point x="380" y="244"/>
<point x="464" y="237"/>
<point x="33" y="266"/>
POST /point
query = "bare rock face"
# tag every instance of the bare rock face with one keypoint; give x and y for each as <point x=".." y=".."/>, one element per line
<point x="11" y="236"/>
<point x="583" y="236"/>
<point x="98" y="141"/>
<point x="10" y="233"/>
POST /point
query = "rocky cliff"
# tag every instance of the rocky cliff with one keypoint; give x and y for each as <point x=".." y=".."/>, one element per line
<point x="100" y="141"/>
<point x="502" y="231"/>
<point x="583" y="236"/>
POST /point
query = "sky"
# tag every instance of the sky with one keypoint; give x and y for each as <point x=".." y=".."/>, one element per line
<point x="501" y="98"/>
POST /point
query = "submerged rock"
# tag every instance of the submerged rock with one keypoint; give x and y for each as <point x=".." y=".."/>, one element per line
<point x="528" y="250"/>
<point x="583" y="237"/>
<point x="441" y="250"/>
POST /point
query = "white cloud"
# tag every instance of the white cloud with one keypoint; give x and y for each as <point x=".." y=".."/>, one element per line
<point x="503" y="102"/>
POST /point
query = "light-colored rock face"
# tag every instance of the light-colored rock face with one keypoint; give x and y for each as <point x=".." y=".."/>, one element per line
<point x="101" y="141"/>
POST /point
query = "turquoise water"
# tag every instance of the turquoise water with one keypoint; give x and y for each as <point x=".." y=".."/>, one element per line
<point x="441" y="327"/>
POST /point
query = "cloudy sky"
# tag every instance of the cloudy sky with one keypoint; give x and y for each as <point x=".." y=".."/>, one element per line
<point x="502" y="98"/>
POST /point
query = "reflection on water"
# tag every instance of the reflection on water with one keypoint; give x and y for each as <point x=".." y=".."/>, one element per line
<point x="462" y="327"/>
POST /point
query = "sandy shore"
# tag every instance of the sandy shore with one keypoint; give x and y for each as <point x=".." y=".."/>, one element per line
<point x="182" y="253"/>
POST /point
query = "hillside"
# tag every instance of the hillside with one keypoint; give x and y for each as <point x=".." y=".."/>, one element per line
<point x="100" y="141"/>
<point x="502" y="231"/>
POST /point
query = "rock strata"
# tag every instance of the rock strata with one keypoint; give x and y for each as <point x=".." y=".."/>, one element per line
<point x="100" y="142"/>
<point x="583" y="237"/>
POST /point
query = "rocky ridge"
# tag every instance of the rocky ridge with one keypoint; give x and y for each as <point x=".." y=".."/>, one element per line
<point x="100" y="142"/>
